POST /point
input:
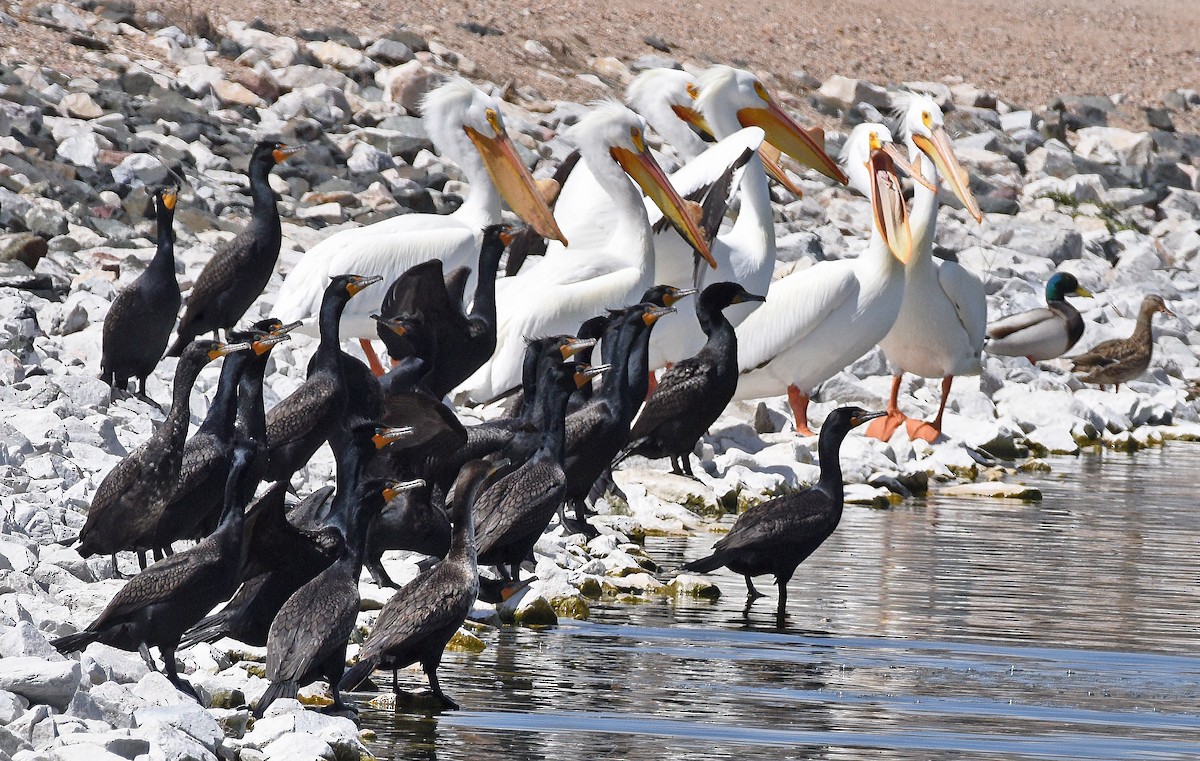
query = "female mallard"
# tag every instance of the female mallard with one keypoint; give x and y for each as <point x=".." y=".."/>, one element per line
<point x="1122" y="359"/>
<point x="1041" y="334"/>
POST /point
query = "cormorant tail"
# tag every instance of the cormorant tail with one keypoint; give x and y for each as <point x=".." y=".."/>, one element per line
<point x="274" y="692"/>
<point x="76" y="641"/>
<point x="358" y="674"/>
<point x="704" y="565"/>
<point x="209" y="629"/>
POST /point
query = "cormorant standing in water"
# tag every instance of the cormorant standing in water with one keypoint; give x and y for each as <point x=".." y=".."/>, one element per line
<point x="158" y="605"/>
<point x="309" y="635"/>
<point x="693" y="393"/>
<point x="126" y="507"/>
<point x="139" y="322"/>
<point x="778" y="535"/>
<point x="239" y="270"/>
<point x="418" y="621"/>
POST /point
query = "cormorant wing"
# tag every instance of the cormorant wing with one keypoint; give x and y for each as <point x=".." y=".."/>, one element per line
<point x="311" y="625"/>
<point x="678" y="392"/>
<point x="293" y="417"/>
<point x="778" y="521"/>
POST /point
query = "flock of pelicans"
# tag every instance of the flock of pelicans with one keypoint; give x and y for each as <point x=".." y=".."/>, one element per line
<point x="411" y="476"/>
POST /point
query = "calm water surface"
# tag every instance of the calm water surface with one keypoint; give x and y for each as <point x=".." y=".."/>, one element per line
<point x="939" y="629"/>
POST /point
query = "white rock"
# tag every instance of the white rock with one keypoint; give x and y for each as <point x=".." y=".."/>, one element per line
<point x="140" y="169"/>
<point x="39" y="680"/>
<point x="846" y="92"/>
<point x="1110" y="145"/>
<point x="299" y="746"/>
<point x="82" y="148"/>
<point x="407" y="84"/>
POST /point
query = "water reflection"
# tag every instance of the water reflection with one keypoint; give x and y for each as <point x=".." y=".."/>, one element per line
<point x="942" y="629"/>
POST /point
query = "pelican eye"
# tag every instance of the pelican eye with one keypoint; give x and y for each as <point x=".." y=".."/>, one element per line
<point x="493" y="120"/>
<point x="635" y="135"/>
<point x="693" y="91"/>
<point x="761" y="91"/>
<point x="875" y="144"/>
<point x="927" y="120"/>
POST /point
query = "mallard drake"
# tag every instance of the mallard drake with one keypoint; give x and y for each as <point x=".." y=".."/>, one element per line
<point x="1040" y="334"/>
<point x="1120" y="360"/>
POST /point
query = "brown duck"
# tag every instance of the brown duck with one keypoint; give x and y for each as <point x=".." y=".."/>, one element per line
<point x="1121" y="360"/>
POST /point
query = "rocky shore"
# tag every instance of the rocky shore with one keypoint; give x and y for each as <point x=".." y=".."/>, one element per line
<point x="1061" y="189"/>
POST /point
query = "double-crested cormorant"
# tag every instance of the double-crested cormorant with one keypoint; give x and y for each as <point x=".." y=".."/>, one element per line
<point x="1041" y="334"/>
<point x="692" y="394"/>
<point x="196" y="502"/>
<point x="778" y="535"/>
<point x="1121" y="360"/>
<point x="125" y="509"/>
<point x="288" y="548"/>
<point x="514" y="511"/>
<point x="309" y="635"/>
<point x="598" y="431"/>
<point x="418" y="621"/>
<point x="158" y="605"/>
<point x="591" y="330"/>
<point x="239" y="270"/>
<point x="298" y="425"/>
<point x="139" y="322"/>
<point x="463" y="341"/>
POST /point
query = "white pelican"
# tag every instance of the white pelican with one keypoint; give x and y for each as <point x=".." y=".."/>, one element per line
<point x="730" y="100"/>
<point x="466" y="127"/>
<point x="817" y="321"/>
<point x="664" y="98"/>
<point x="939" y="332"/>
<point x="609" y="268"/>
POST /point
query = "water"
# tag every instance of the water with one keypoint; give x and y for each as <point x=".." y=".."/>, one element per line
<point x="939" y="629"/>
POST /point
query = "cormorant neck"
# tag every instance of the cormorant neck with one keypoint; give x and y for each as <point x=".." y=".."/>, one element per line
<point x="251" y="412"/>
<point x="222" y="413"/>
<point x="179" y="416"/>
<point x="636" y="383"/>
<point x="164" y="255"/>
<point x="329" y="323"/>
<point x="484" y="304"/>
<point x="828" y="450"/>
<point x="462" y="539"/>
<point x="262" y="194"/>
<point x="712" y="318"/>
<point x="554" y="420"/>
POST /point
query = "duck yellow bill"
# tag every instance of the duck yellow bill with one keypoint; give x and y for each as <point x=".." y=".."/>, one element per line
<point x="789" y="137"/>
<point x="649" y="176"/>
<point x="887" y="204"/>
<point x="515" y="183"/>
<point x="942" y="155"/>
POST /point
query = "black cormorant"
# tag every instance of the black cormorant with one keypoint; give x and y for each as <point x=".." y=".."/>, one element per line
<point x="298" y="425"/>
<point x="142" y="316"/>
<point x="239" y="270"/>
<point x="418" y="621"/>
<point x="126" y="507"/>
<point x="309" y="635"/>
<point x="778" y="535"/>
<point x="158" y="605"/>
<point x="691" y="395"/>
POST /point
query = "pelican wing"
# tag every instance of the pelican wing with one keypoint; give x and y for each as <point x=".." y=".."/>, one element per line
<point x="795" y="305"/>
<point x="965" y="291"/>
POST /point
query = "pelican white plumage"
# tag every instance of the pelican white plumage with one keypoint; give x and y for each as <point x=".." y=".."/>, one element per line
<point x="730" y="100"/>
<point x="818" y="320"/>
<point x="939" y="332"/>
<point x="665" y="98"/>
<point x="606" y="267"/>
<point x="467" y="128"/>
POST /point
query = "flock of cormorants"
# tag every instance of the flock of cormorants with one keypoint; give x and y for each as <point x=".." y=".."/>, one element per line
<point x="409" y="474"/>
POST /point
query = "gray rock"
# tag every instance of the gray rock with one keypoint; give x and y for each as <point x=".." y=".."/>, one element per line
<point x="120" y="666"/>
<point x="188" y="717"/>
<point x="140" y="169"/>
<point x="407" y="84"/>
<point x="82" y="148"/>
<point x="845" y="92"/>
<point x="1109" y="145"/>
<point x="367" y="159"/>
<point x="25" y="640"/>
<point x="39" y="680"/>
<point x="390" y="52"/>
<point x="12" y="705"/>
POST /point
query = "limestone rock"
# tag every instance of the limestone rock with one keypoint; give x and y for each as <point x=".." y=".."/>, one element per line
<point x="39" y="680"/>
